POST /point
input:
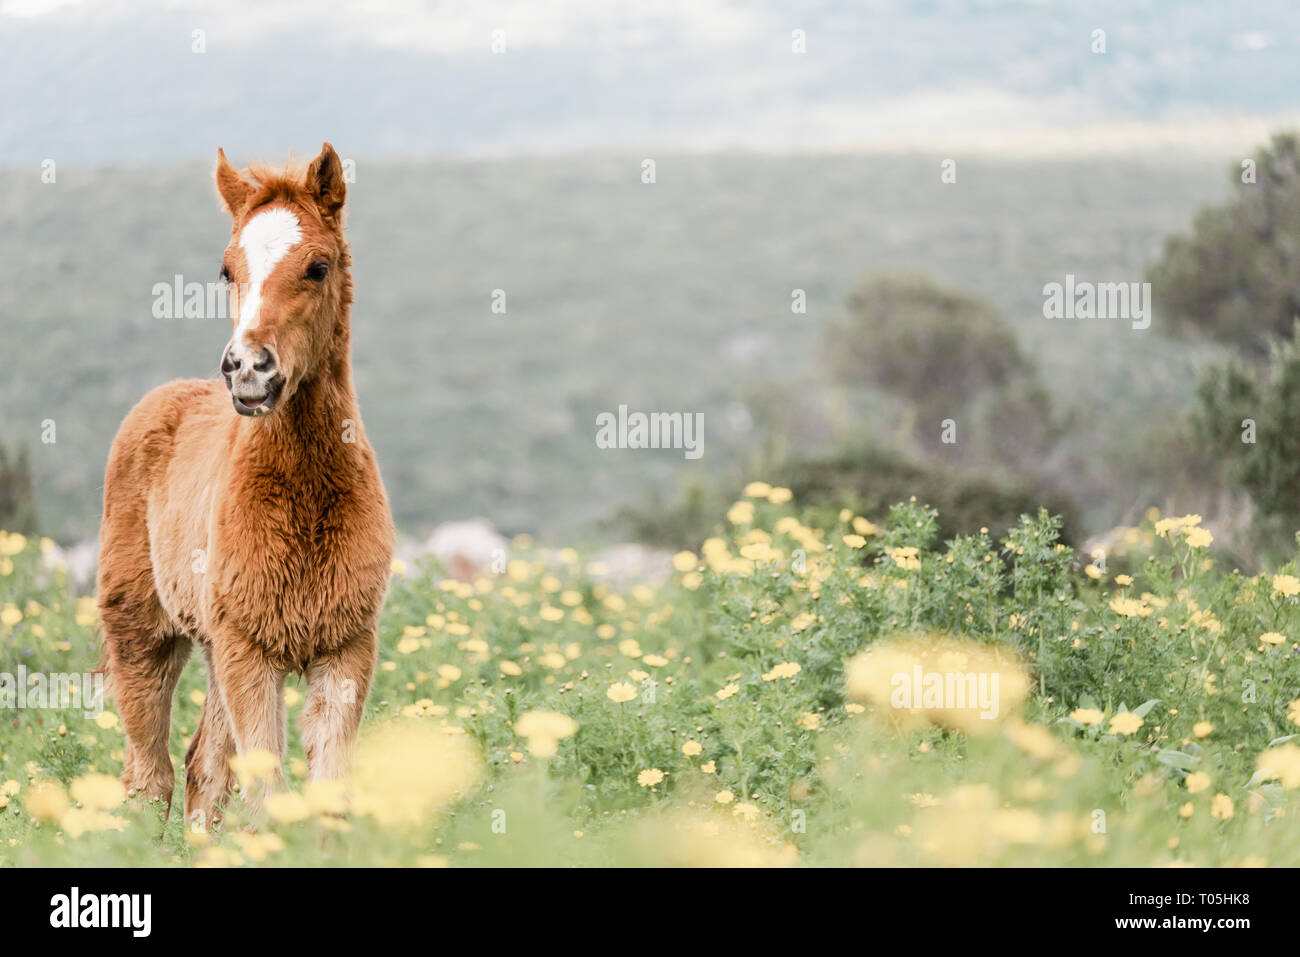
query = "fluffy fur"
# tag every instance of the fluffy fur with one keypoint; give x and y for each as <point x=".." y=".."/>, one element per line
<point x="265" y="540"/>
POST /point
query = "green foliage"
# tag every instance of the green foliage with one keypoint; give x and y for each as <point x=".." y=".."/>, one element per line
<point x="868" y="478"/>
<point x="936" y="347"/>
<point x="1248" y="417"/>
<point x="1013" y="430"/>
<point x="719" y="718"/>
<point x="685" y="519"/>
<point x="17" y="501"/>
<point x="1236" y="277"/>
<point x="64" y="758"/>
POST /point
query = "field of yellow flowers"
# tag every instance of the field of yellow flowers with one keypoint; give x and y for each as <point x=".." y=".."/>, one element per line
<point x="741" y="713"/>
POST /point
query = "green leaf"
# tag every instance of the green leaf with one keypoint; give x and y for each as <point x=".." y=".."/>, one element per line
<point x="1177" y="759"/>
<point x="1145" y="707"/>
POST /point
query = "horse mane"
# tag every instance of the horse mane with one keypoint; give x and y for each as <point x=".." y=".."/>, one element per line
<point x="283" y="183"/>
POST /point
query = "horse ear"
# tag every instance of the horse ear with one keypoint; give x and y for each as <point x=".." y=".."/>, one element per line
<point x="232" y="187"/>
<point x="325" y="181"/>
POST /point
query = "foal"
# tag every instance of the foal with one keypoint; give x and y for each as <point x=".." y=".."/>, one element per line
<point x="261" y="532"/>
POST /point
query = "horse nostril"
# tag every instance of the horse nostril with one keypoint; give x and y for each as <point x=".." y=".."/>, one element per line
<point x="265" y="362"/>
<point x="229" y="364"/>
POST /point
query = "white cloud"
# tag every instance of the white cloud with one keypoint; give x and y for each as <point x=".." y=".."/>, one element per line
<point x="26" y="9"/>
<point x="1255" y="40"/>
<point x="447" y="26"/>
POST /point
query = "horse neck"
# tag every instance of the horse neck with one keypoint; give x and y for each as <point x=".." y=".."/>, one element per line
<point x="310" y="431"/>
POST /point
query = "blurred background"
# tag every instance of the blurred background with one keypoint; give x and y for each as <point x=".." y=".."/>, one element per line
<point x="853" y="213"/>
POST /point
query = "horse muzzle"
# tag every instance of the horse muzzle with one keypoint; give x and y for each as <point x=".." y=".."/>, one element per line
<point x="255" y="383"/>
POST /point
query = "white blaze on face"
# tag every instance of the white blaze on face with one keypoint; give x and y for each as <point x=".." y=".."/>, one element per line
<point x="266" y="239"/>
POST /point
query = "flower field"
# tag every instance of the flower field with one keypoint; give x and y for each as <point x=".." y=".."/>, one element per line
<point x="1136" y="708"/>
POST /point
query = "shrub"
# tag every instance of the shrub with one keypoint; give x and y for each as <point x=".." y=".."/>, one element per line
<point x="1235" y="277"/>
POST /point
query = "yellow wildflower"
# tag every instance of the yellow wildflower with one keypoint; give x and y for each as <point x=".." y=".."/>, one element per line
<point x="1287" y="585"/>
<point x="649" y="777"/>
<point x="1125" y="723"/>
<point x="620" y="692"/>
<point x="1221" y="807"/>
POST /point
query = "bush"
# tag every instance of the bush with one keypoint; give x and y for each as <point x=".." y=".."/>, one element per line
<point x="1236" y="277"/>
<point x="937" y="348"/>
<point x="1249" y="417"/>
<point x="869" y="478"/>
<point x="17" y="499"/>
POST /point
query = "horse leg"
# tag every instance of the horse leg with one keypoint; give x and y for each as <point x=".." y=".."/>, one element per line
<point x="143" y="671"/>
<point x="337" y="684"/>
<point x="281" y="722"/>
<point x="209" y="779"/>
<point x="252" y="690"/>
<point x="142" y="655"/>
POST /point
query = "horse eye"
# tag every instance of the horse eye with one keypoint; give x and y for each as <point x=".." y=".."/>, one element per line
<point x="317" y="271"/>
<point x="225" y="274"/>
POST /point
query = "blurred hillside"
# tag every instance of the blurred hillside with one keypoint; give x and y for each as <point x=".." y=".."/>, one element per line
<point x="666" y="297"/>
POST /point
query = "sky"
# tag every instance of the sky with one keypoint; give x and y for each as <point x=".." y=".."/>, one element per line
<point x="126" y="81"/>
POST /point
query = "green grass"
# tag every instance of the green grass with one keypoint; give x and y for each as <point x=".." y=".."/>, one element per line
<point x="729" y="715"/>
